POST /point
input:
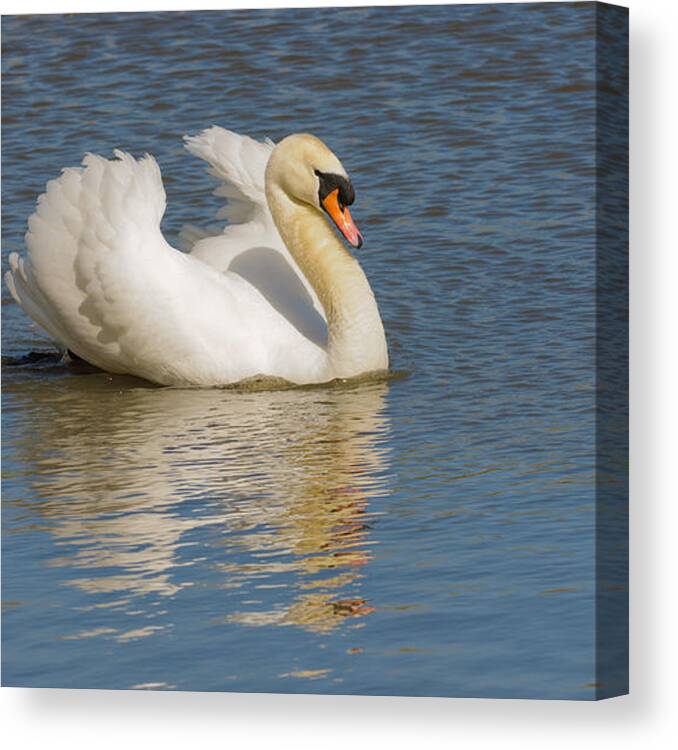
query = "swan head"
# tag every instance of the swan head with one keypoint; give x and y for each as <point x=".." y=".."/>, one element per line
<point x="308" y="172"/>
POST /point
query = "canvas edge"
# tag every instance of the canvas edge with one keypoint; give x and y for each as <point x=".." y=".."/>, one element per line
<point x="612" y="351"/>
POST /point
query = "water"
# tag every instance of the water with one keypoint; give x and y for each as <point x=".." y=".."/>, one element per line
<point x="430" y="534"/>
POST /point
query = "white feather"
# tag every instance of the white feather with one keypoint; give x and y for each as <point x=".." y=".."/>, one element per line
<point x="240" y="163"/>
<point x="101" y="280"/>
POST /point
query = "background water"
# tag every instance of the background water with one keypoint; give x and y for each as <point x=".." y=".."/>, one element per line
<point x="429" y="535"/>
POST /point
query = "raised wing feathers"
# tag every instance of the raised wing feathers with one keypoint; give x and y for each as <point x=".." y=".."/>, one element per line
<point x="101" y="279"/>
<point x="99" y="276"/>
<point x="240" y="163"/>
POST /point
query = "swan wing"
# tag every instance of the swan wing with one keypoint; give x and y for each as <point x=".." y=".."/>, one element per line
<point x="250" y="244"/>
<point x="101" y="279"/>
<point x="239" y="162"/>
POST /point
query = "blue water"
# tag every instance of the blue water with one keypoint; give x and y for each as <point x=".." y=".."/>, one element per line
<point x="432" y="534"/>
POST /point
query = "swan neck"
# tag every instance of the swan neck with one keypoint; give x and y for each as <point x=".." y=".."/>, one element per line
<point x="356" y="340"/>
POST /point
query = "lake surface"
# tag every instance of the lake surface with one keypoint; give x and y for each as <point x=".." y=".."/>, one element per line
<point x="430" y="534"/>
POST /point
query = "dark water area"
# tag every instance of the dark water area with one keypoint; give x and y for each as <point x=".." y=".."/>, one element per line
<point x="431" y="534"/>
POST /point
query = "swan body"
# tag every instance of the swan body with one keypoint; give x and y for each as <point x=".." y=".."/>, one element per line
<point x="275" y="294"/>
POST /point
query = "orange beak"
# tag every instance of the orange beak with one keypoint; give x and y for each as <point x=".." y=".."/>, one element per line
<point x="342" y="218"/>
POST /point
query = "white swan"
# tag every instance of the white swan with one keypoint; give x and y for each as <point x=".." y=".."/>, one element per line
<point x="276" y="294"/>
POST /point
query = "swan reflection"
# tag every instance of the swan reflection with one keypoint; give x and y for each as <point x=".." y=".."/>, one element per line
<point x="269" y="490"/>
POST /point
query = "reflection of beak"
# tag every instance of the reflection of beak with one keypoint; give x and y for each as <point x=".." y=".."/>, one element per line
<point x="342" y="219"/>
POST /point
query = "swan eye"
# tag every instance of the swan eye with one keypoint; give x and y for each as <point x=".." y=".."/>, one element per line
<point x="329" y="182"/>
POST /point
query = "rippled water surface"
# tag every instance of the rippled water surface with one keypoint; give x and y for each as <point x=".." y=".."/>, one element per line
<point x="429" y="534"/>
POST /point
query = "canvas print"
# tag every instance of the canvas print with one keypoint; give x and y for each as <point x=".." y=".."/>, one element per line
<point x="314" y="335"/>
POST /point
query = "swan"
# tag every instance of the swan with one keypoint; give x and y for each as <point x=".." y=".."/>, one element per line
<point x="274" y="294"/>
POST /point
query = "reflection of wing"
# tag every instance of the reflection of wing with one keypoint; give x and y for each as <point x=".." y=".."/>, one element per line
<point x="239" y="162"/>
<point x="288" y="473"/>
